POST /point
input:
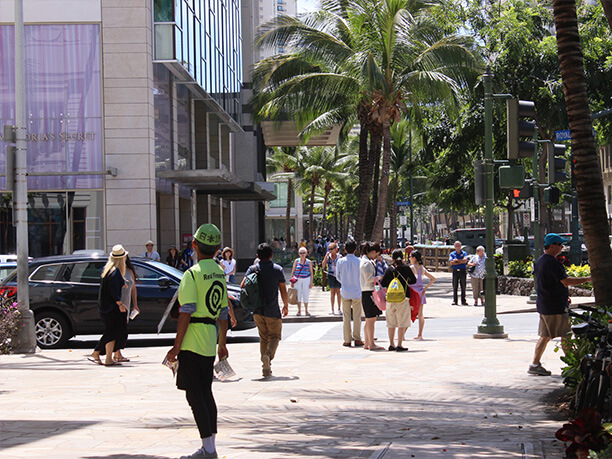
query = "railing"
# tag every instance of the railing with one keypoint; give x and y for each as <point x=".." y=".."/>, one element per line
<point x="435" y="257"/>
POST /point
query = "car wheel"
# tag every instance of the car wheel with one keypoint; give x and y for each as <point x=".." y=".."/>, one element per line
<point x="52" y="330"/>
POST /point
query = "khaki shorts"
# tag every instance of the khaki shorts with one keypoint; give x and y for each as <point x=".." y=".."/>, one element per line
<point x="398" y="314"/>
<point x="554" y="326"/>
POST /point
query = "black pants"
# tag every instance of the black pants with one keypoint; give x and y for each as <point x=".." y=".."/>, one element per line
<point x="459" y="277"/>
<point x="121" y="341"/>
<point x="195" y="375"/>
<point x="114" y="322"/>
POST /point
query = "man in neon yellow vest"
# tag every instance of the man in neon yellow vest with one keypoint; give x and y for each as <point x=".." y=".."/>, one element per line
<point x="202" y="294"/>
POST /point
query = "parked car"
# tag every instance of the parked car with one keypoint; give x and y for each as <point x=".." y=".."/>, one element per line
<point x="64" y="297"/>
<point x="6" y="269"/>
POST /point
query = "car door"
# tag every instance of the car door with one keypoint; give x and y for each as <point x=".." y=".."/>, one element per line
<point x="78" y="285"/>
<point x="155" y="290"/>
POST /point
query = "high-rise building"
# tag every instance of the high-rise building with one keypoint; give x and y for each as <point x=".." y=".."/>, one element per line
<point x="135" y="126"/>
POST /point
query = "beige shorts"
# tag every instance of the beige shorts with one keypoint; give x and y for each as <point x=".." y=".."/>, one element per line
<point x="554" y="326"/>
<point x="398" y="314"/>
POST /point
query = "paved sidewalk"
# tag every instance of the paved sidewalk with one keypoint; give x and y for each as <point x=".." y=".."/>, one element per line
<point x="448" y="397"/>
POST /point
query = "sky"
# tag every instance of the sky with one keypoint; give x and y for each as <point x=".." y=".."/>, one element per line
<point x="304" y="6"/>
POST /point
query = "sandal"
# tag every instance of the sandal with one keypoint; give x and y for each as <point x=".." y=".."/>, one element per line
<point x="122" y="359"/>
<point x="112" y="364"/>
<point x="97" y="361"/>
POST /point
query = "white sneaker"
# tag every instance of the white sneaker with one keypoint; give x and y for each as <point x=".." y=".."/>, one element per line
<point x="201" y="454"/>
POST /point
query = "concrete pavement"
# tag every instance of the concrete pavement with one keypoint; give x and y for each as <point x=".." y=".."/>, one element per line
<point x="448" y="397"/>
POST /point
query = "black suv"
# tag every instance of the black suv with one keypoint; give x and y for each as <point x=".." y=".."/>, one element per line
<point x="64" y="297"/>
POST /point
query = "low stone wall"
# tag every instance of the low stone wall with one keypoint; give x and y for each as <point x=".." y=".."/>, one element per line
<point x="522" y="287"/>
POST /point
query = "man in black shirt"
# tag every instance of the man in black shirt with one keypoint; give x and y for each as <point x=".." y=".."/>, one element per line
<point x="269" y="320"/>
<point x="552" y="299"/>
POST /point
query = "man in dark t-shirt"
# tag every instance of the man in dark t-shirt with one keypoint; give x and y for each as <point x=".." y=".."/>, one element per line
<point x="552" y="299"/>
<point x="269" y="321"/>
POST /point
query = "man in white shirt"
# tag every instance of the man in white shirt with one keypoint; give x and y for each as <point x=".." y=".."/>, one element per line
<point x="150" y="253"/>
<point x="347" y="272"/>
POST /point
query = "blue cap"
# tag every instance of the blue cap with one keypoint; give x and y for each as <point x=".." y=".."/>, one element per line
<point x="553" y="238"/>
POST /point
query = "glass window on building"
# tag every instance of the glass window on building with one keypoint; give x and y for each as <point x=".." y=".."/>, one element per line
<point x="162" y="99"/>
<point x="183" y="131"/>
<point x="163" y="10"/>
<point x="280" y="190"/>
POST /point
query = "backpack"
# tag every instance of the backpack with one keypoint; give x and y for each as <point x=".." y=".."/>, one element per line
<point x="250" y="293"/>
<point x="395" y="291"/>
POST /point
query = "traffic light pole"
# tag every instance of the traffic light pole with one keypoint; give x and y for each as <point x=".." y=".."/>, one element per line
<point x="26" y="339"/>
<point x="490" y="326"/>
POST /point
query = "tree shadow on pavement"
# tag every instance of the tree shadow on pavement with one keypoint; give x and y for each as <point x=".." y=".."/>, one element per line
<point x="16" y="432"/>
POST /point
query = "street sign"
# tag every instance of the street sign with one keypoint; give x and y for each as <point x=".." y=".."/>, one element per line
<point x="387" y="222"/>
<point x="565" y="134"/>
<point x="403" y="220"/>
<point x="403" y="203"/>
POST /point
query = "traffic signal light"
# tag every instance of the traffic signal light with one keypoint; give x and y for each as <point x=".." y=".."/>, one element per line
<point x="479" y="182"/>
<point x="10" y="137"/>
<point x="556" y="163"/>
<point x="520" y="124"/>
<point x="552" y="195"/>
<point x="524" y="193"/>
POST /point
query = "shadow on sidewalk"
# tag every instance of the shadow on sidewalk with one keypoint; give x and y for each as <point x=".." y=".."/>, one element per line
<point x="17" y="432"/>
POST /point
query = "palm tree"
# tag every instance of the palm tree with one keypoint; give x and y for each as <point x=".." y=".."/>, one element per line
<point x="400" y="165"/>
<point x="282" y="165"/>
<point x="589" y="182"/>
<point x="367" y="61"/>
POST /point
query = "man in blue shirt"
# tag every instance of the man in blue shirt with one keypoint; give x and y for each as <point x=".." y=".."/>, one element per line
<point x="458" y="261"/>
<point x="347" y="272"/>
<point x="552" y="299"/>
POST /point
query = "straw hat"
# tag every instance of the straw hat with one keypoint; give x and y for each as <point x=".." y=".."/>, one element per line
<point x="227" y="249"/>
<point x="118" y="251"/>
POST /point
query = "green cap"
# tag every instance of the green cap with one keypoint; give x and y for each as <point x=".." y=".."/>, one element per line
<point x="208" y="234"/>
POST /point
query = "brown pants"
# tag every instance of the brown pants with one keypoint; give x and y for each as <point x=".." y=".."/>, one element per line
<point x="270" y="329"/>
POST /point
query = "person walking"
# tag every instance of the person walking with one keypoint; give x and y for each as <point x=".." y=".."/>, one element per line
<point x="398" y="313"/>
<point x="173" y="258"/>
<point x="476" y="270"/>
<point x="367" y="272"/>
<point x="458" y="262"/>
<point x="552" y="299"/>
<point x="303" y="275"/>
<point x="330" y="262"/>
<point x="269" y="319"/>
<point x="419" y="270"/>
<point x="110" y="306"/>
<point x="129" y="298"/>
<point x="348" y="274"/>
<point x="150" y="253"/>
<point x="229" y="264"/>
<point x="202" y="294"/>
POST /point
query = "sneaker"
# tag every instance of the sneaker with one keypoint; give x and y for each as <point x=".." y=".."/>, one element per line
<point x="266" y="367"/>
<point x="201" y="454"/>
<point x="464" y="303"/>
<point x="538" y="370"/>
<point x="392" y="348"/>
<point x="454" y="303"/>
<point x="401" y="348"/>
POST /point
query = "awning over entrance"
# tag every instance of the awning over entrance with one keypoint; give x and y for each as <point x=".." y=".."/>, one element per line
<point x="286" y="134"/>
<point x="221" y="183"/>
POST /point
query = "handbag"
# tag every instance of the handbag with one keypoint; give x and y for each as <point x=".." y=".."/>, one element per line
<point x="379" y="295"/>
<point x="294" y="279"/>
<point x="471" y="269"/>
<point x="292" y="297"/>
<point x="415" y="303"/>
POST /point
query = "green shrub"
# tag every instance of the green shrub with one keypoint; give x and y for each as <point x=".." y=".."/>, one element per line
<point x="9" y="324"/>
<point x="580" y="271"/>
<point x="499" y="264"/>
<point x="522" y="268"/>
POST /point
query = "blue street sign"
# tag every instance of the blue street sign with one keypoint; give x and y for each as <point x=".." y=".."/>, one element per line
<point x="403" y="203"/>
<point x="563" y="135"/>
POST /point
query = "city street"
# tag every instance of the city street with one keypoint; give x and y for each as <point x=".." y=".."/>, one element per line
<point x="449" y="395"/>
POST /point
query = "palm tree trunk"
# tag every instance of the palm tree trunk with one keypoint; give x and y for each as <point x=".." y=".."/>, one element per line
<point x="381" y="212"/>
<point x="607" y="7"/>
<point x="374" y="161"/>
<point x="393" y="212"/>
<point x="325" y="199"/>
<point x="365" y="182"/>
<point x="311" y="214"/>
<point x="288" y="213"/>
<point x="589" y="181"/>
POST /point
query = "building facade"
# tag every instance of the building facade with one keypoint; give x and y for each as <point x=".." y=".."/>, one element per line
<point x="135" y="126"/>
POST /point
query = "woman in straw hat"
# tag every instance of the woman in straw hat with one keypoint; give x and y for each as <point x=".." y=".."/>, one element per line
<point x="229" y="264"/>
<point x="110" y="305"/>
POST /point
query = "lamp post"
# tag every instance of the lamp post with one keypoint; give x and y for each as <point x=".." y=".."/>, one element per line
<point x="490" y="326"/>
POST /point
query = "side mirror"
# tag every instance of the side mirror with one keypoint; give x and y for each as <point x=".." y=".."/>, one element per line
<point x="164" y="283"/>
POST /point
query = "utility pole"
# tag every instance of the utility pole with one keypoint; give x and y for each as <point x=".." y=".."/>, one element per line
<point x="26" y="339"/>
<point x="490" y="326"/>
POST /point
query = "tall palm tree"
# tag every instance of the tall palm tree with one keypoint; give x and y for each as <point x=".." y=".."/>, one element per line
<point x="589" y="182"/>
<point x="400" y="165"/>
<point x="282" y="164"/>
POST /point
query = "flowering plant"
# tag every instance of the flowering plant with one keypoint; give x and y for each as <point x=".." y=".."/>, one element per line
<point x="9" y="323"/>
<point x="586" y="433"/>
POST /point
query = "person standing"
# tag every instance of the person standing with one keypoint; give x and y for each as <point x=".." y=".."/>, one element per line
<point x="202" y="294"/>
<point x="187" y="256"/>
<point x="347" y="273"/>
<point x="150" y="253"/>
<point x="552" y="299"/>
<point x="302" y="271"/>
<point x="398" y="314"/>
<point x="110" y="306"/>
<point x="129" y="298"/>
<point x="173" y="259"/>
<point x="229" y="264"/>
<point x="330" y="262"/>
<point x="477" y="262"/>
<point x="269" y="319"/>
<point x="419" y="270"/>
<point x="458" y="262"/>
<point x="367" y="272"/>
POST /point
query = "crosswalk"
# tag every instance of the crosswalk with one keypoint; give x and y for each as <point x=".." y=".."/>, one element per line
<point x="312" y="332"/>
